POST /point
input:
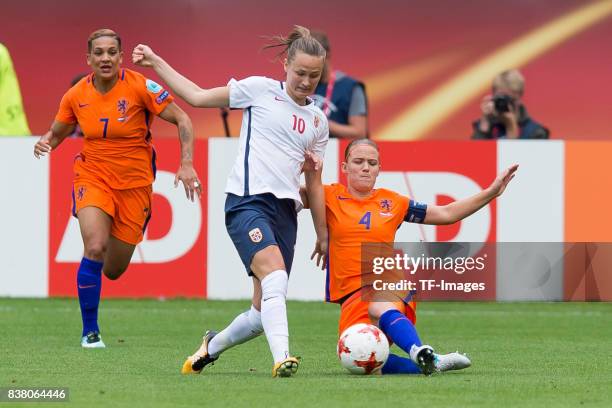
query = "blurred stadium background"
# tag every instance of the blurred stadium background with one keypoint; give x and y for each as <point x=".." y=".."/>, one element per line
<point x="406" y="52"/>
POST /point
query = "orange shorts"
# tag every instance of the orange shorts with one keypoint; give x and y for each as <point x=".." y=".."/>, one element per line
<point x="130" y="209"/>
<point x="355" y="310"/>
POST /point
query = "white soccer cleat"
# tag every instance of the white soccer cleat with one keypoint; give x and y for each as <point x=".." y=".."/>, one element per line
<point x="92" y="340"/>
<point x="451" y="361"/>
<point x="424" y="357"/>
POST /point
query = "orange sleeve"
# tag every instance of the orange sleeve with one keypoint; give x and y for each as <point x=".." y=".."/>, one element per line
<point x="330" y="193"/>
<point x="65" y="114"/>
<point x="404" y="202"/>
<point x="153" y="95"/>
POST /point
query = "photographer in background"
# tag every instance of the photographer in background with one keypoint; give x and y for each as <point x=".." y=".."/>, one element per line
<point x="503" y="113"/>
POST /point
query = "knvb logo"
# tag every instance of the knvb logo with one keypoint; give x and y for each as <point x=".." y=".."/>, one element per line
<point x="385" y="205"/>
<point x="81" y="193"/>
<point x="122" y="106"/>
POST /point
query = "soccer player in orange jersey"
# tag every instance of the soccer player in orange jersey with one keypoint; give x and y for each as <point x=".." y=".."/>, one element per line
<point x="359" y="213"/>
<point x="114" y="173"/>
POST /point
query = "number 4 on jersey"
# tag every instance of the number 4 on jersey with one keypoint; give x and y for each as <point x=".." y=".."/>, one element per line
<point x="365" y="220"/>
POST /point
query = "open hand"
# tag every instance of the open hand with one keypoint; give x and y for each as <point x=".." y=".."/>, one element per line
<point x="188" y="176"/>
<point x="42" y="147"/>
<point x="320" y="252"/>
<point x="499" y="185"/>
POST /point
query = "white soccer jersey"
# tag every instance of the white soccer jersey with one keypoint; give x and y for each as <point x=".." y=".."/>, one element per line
<point x="275" y="134"/>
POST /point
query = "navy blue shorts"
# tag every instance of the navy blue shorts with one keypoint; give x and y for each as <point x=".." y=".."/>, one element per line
<point x="258" y="221"/>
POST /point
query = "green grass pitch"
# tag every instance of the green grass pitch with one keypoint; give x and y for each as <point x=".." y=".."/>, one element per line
<point x="523" y="354"/>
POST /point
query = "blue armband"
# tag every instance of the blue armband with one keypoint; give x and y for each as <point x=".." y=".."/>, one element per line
<point x="416" y="212"/>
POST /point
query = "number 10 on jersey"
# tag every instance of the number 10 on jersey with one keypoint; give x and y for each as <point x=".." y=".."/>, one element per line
<point x="299" y="124"/>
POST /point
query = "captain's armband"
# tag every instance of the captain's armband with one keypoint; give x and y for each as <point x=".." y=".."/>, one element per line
<point x="416" y="212"/>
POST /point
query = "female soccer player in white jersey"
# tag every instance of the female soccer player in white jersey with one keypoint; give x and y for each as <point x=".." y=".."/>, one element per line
<point x="280" y="128"/>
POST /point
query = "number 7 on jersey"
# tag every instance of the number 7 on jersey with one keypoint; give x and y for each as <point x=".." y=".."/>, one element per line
<point x="105" y="120"/>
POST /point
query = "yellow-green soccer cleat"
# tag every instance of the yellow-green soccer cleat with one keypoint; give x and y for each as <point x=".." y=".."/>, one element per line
<point x="200" y="359"/>
<point x="286" y="368"/>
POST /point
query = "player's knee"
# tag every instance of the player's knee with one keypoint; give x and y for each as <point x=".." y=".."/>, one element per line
<point x="274" y="285"/>
<point x="375" y="310"/>
<point x="95" y="250"/>
<point x="113" y="273"/>
<point x="267" y="259"/>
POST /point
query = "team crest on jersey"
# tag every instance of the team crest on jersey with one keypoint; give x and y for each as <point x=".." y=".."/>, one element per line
<point x="317" y="121"/>
<point x="385" y="205"/>
<point x="81" y="193"/>
<point x="122" y="106"/>
<point x="256" y="235"/>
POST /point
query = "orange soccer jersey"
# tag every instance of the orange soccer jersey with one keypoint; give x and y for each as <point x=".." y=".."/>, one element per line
<point x="117" y="146"/>
<point x="352" y="222"/>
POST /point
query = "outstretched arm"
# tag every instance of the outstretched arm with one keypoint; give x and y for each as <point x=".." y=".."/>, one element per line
<point x="186" y="173"/>
<point x="180" y="85"/>
<point x="52" y="138"/>
<point x="460" y="209"/>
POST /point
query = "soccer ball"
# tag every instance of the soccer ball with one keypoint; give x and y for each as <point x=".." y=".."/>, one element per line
<point x="363" y="348"/>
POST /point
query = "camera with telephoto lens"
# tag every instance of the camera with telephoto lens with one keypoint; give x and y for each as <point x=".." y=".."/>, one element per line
<point x="503" y="103"/>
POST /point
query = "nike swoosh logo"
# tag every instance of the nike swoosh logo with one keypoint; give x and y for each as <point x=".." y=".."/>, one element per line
<point x="342" y="198"/>
<point x="279" y="99"/>
<point x="83" y="105"/>
<point x="87" y="286"/>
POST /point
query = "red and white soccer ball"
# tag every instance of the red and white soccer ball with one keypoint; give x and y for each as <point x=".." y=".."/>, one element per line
<point x="363" y="348"/>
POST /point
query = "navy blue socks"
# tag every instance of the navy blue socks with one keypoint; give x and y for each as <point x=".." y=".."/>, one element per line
<point x="89" y="285"/>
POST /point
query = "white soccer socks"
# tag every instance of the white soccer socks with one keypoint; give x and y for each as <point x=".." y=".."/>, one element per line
<point x="243" y="328"/>
<point x="272" y="320"/>
<point x="274" y="313"/>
